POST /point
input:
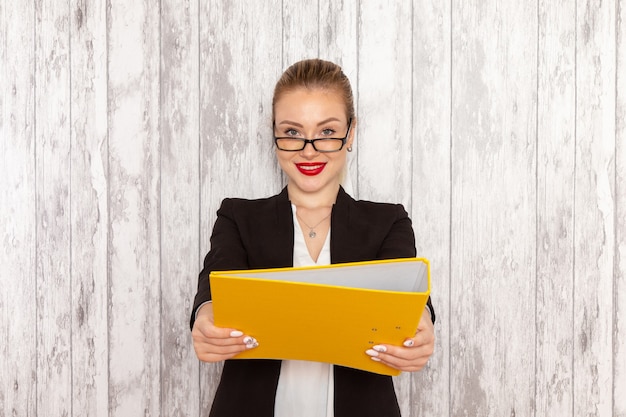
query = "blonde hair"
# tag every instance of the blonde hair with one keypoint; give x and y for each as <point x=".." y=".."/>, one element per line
<point x="315" y="74"/>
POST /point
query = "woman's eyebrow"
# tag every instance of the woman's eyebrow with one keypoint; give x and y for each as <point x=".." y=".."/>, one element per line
<point x="289" y="122"/>
<point x="292" y="123"/>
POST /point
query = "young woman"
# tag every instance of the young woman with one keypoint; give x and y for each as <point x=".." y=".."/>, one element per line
<point x="311" y="222"/>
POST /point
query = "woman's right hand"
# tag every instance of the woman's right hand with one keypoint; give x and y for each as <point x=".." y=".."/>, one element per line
<point x="214" y="344"/>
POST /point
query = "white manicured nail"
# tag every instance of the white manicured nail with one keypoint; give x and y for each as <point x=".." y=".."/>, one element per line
<point x="409" y="343"/>
<point x="236" y="333"/>
<point x="380" y="348"/>
<point x="250" y="342"/>
<point x="371" y="352"/>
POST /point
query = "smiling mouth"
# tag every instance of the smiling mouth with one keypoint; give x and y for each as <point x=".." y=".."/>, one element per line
<point x="311" y="168"/>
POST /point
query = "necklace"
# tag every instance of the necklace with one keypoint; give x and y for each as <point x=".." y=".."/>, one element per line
<point x="312" y="233"/>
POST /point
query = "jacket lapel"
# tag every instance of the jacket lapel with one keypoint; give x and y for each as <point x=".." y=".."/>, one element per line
<point x="283" y="226"/>
<point x="340" y="230"/>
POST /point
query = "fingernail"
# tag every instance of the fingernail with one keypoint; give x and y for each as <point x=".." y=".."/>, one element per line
<point x="375" y="359"/>
<point x="250" y="342"/>
<point x="371" y="352"/>
<point x="380" y="348"/>
<point x="236" y="333"/>
<point x="408" y="343"/>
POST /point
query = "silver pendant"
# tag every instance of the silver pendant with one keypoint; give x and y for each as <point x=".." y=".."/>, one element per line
<point x="312" y="234"/>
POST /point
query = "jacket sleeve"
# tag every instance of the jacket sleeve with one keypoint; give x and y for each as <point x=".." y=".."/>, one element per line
<point x="400" y="243"/>
<point x="227" y="252"/>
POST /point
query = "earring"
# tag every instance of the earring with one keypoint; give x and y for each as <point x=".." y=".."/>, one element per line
<point x="349" y="149"/>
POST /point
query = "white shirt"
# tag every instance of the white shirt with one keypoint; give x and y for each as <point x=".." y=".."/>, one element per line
<point x="305" y="389"/>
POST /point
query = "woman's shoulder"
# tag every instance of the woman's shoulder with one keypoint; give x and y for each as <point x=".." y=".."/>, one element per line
<point x="381" y="205"/>
<point x="375" y="207"/>
<point x="253" y="204"/>
<point x="250" y="201"/>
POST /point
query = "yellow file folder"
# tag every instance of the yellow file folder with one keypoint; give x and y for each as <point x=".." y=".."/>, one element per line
<point x="331" y="313"/>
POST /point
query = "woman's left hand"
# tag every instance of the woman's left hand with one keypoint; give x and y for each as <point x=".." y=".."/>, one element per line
<point x="414" y="355"/>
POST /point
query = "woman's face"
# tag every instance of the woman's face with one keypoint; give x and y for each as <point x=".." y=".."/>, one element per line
<point x="312" y="114"/>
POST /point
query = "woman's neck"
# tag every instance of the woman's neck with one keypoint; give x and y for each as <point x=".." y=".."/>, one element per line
<point x="321" y="198"/>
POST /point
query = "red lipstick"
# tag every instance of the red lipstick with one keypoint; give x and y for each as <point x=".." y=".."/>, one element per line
<point x="311" y="168"/>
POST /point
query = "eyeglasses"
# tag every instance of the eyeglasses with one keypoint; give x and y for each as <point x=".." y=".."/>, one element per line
<point x="290" y="144"/>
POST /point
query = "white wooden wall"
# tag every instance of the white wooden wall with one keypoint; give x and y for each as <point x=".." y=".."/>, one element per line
<point x="500" y="124"/>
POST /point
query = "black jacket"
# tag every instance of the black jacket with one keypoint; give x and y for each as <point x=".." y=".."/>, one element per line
<point x="252" y="234"/>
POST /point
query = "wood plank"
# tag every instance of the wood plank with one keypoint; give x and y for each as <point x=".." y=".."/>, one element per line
<point x="493" y="208"/>
<point x="180" y="203"/>
<point x="619" y="309"/>
<point x="134" y="233"/>
<point x="338" y="43"/>
<point x="18" y="314"/>
<point x="89" y="209"/>
<point x="52" y="138"/>
<point x="594" y="211"/>
<point x="300" y="31"/>
<point x="239" y="71"/>
<point x="430" y="191"/>
<point x="384" y="143"/>
<point x="555" y="206"/>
